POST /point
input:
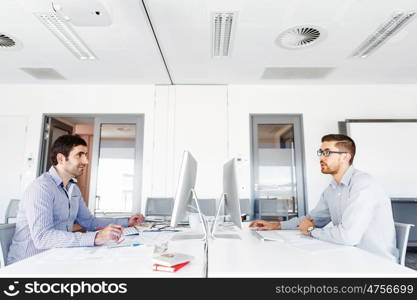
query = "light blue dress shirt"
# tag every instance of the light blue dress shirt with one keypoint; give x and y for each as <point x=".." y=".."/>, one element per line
<point x="360" y="213"/>
<point x="46" y="215"/>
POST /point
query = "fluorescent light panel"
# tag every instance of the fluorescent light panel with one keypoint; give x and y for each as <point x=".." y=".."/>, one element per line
<point x="66" y="34"/>
<point x="222" y="33"/>
<point x="384" y="32"/>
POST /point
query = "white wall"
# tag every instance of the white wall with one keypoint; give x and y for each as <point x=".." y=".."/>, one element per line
<point x="12" y="150"/>
<point x="31" y="101"/>
<point x="322" y="107"/>
<point x="211" y="121"/>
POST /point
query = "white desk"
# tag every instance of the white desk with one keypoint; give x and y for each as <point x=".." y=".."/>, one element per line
<point x="251" y="257"/>
<point x="105" y="262"/>
<point x="248" y="257"/>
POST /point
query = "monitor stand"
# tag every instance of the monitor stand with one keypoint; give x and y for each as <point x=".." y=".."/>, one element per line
<point x="192" y="235"/>
<point x="213" y="228"/>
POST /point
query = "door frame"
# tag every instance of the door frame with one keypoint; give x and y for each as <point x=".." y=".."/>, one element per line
<point x="138" y="176"/>
<point x="297" y="121"/>
<point x="48" y="122"/>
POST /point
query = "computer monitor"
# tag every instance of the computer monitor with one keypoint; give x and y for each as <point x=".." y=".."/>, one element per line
<point x="230" y="197"/>
<point x="186" y="198"/>
<point x="231" y="192"/>
<point x="186" y="183"/>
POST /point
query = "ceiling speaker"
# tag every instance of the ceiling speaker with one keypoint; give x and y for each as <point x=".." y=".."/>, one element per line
<point x="83" y="12"/>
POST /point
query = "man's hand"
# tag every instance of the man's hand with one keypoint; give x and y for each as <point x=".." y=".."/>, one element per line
<point x="136" y="219"/>
<point x="305" y="224"/>
<point x="264" y="225"/>
<point x="111" y="232"/>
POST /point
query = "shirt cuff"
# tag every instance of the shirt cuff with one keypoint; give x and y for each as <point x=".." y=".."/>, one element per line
<point x="123" y="222"/>
<point x="87" y="239"/>
<point x="291" y="224"/>
<point x="315" y="233"/>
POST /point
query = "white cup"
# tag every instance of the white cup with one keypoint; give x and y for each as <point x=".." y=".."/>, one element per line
<point x="195" y="222"/>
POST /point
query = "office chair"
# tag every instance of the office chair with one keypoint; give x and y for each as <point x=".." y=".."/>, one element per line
<point x="6" y="236"/>
<point x="11" y="211"/>
<point x="245" y="208"/>
<point x="159" y="207"/>
<point x="402" y="231"/>
<point x="207" y="206"/>
<point x="273" y="208"/>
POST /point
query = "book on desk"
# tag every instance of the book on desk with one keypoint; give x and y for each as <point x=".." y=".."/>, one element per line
<point x="170" y="262"/>
<point x="175" y="268"/>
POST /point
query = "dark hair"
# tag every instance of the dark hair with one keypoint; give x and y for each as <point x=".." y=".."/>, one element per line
<point x="344" y="143"/>
<point x="64" y="144"/>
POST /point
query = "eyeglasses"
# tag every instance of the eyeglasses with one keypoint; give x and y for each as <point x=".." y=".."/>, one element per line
<point x="327" y="153"/>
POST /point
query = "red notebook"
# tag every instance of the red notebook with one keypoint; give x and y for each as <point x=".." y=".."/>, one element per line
<point x="157" y="267"/>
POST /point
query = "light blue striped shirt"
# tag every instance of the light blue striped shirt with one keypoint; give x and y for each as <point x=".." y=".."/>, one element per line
<point x="360" y="212"/>
<point x="46" y="215"/>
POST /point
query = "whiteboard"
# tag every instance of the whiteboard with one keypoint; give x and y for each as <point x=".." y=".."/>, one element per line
<point x="388" y="152"/>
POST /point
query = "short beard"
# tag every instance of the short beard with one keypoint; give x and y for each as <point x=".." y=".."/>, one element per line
<point x="328" y="171"/>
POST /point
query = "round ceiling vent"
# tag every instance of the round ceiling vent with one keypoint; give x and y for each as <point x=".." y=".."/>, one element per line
<point x="299" y="37"/>
<point x="8" y="43"/>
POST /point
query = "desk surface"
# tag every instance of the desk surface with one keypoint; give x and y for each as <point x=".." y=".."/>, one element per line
<point x="246" y="257"/>
<point x="106" y="262"/>
<point x="298" y="256"/>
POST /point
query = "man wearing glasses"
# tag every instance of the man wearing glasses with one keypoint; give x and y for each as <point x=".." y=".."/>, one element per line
<point x="354" y="203"/>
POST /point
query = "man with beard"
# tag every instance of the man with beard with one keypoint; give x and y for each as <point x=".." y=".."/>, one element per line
<point x="52" y="203"/>
<point x="354" y="203"/>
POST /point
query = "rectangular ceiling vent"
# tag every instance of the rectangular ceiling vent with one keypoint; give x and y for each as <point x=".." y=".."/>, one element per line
<point x="43" y="73"/>
<point x="223" y="26"/>
<point x="296" y="73"/>
<point x="384" y="32"/>
<point x="66" y="35"/>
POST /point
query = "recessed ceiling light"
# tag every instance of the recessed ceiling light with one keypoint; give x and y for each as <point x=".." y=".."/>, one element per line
<point x="66" y="34"/>
<point x="383" y="33"/>
<point x="223" y="24"/>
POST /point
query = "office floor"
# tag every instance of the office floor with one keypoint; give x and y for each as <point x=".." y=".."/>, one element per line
<point x="411" y="258"/>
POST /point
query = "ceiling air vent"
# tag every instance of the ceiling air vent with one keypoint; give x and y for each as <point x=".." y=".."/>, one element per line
<point x="299" y="37"/>
<point x="6" y="42"/>
<point x="292" y="73"/>
<point x="9" y="43"/>
<point x="43" y="73"/>
<point x="223" y="24"/>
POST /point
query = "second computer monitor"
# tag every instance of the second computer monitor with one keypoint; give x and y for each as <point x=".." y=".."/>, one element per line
<point x="231" y="192"/>
<point x="186" y="183"/>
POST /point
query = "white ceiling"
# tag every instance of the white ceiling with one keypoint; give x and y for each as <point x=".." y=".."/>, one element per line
<point x="128" y="53"/>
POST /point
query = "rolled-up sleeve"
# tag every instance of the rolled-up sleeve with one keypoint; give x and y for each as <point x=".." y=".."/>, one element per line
<point x="355" y="218"/>
<point x="90" y="222"/>
<point x="39" y="212"/>
<point x="320" y="215"/>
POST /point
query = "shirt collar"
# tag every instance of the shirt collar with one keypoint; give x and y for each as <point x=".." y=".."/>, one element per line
<point x="346" y="177"/>
<point x="56" y="178"/>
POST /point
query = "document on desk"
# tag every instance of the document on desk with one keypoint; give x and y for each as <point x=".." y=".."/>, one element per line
<point x="70" y="255"/>
<point x="155" y="238"/>
<point x="309" y="244"/>
<point x="269" y="235"/>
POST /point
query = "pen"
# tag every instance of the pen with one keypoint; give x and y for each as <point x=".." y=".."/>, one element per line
<point x="160" y="230"/>
<point x="124" y="245"/>
<point x="99" y="228"/>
